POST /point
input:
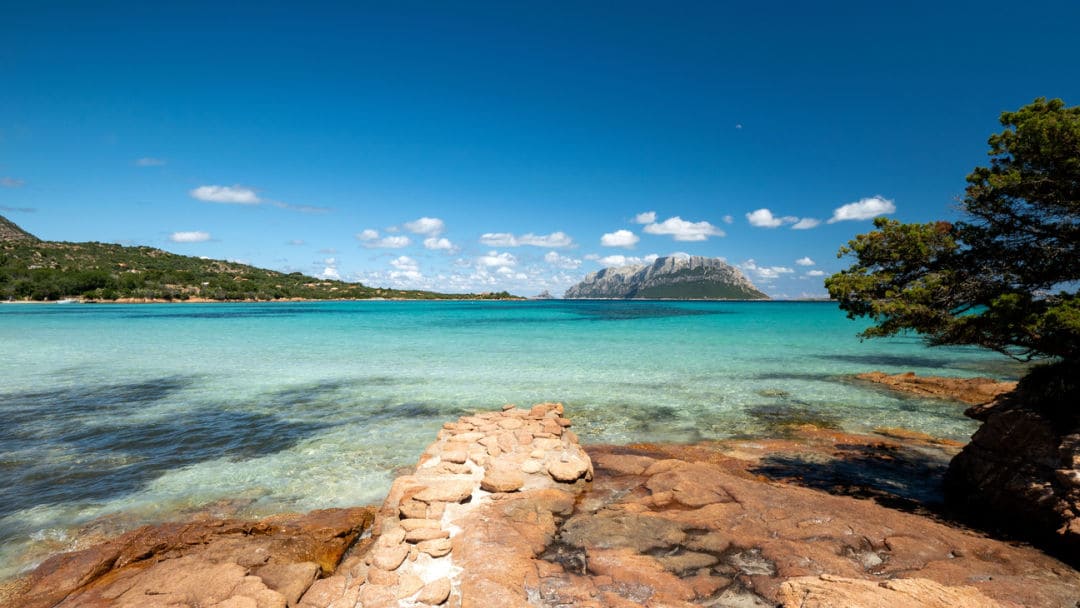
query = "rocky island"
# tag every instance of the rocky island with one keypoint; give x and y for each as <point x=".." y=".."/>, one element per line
<point x="672" y="277"/>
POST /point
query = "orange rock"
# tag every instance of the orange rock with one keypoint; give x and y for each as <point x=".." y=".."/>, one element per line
<point x="693" y="485"/>
<point x="408" y="585"/>
<point x="435" y="592"/>
<point x="134" y="560"/>
<point x="378" y="576"/>
<point x="502" y="476"/>
<point x="422" y="534"/>
<point x="833" y="591"/>
<point x="389" y="558"/>
<point x="437" y="547"/>
<point x="624" y="464"/>
<point x="445" y="490"/>
<point x="573" y="469"/>
<point x="626" y="566"/>
<point x="378" y="596"/>
<point x="973" y="391"/>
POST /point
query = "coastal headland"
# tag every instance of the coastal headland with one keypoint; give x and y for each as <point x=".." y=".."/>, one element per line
<point x="506" y="508"/>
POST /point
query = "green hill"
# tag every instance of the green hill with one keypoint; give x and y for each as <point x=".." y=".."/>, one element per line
<point x="10" y="233"/>
<point x="42" y="270"/>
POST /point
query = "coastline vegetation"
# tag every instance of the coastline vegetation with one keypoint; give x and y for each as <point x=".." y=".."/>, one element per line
<point x="32" y="270"/>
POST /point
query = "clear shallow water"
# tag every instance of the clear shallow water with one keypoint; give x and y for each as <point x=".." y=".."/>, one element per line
<point x="151" y="410"/>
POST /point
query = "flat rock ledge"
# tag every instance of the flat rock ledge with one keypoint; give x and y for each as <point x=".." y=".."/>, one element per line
<point x="505" y="509"/>
<point x="972" y="391"/>
<point x="228" y="563"/>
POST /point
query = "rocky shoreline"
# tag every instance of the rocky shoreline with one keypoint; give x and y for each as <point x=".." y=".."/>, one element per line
<point x="1020" y="473"/>
<point x="507" y="509"/>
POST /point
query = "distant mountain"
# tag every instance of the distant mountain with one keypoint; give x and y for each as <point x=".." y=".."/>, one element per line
<point x="31" y="269"/>
<point x="672" y="277"/>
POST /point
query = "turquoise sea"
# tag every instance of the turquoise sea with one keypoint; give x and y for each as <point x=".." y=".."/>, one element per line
<point x="154" y="410"/>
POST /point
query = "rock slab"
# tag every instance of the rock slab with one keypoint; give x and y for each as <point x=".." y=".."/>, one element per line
<point x="266" y="563"/>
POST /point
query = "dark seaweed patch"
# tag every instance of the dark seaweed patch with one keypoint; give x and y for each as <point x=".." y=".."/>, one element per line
<point x="113" y="456"/>
<point x="882" y="359"/>
<point x="782" y="420"/>
<point x="619" y="310"/>
<point x="93" y="443"/>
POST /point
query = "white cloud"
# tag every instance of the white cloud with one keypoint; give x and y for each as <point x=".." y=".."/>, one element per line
<point x="806" y="223"/>
<point x="618" y="260"/>
<point x="815" y="273"/>
<point x="804" y="261"/>
<point x="728" y="219"/>
<point x="370" y="238"/>
<point x="404" y="263"/>
<point x="623" y="260"/>
<point x="649" y="217"/>
<point x="297" y="242"/>
<point x="683" y="230"/>
<point x="391" y="242"/>
<point x="428" y="226"/>
<point x="554" y="240"/>
<point x="863" y="209"/>
<point x="498" y="239"/>
<point x="11" y="182"/>
<point x="405" y="269"/>
<point x="620" y="238"/>
<point x="439" y="244"/>
<point x="232" y="195"/>
<point x="148" y="161"/>
<point x="193" y="236"/>
<point x="494" y="259"/>
<point x="764" y="273"/>
<point x="763" y="218"/>
<point x="330" y="270"/>
<point x="561" y="261"/>
<point x="300" y="208"/>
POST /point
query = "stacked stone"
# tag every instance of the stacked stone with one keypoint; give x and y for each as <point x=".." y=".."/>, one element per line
<point x="475" y="458"/>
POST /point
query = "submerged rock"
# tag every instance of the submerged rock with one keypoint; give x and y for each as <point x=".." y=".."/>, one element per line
<point x="973" y="391"/>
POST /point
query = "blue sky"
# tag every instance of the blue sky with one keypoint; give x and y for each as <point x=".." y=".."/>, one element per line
<point x="477" y="147"/>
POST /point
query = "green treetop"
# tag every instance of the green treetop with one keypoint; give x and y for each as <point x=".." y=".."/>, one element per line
<point x="1006" y="276"/>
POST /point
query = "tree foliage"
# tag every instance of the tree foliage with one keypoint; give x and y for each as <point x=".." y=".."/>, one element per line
<point x="49" y="271"/>
<point x="1005" y="277"/>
